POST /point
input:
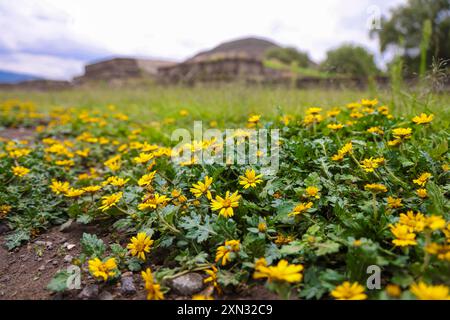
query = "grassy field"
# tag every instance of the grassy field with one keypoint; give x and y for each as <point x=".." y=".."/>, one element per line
<point x="229" y="104"/>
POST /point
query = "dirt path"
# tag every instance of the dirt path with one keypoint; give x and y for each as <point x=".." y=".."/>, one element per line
<point x="26" y="271"/>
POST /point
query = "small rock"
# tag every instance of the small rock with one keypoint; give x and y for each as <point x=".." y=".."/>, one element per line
<point x="89" y="292"/>
<point x="187" y="284"/>
<point x="70" y="246"/>
<point x="41" y="268"/>
<point x="55" y="262"/>
<point x="127" y="285"/>
<point x="68" y="258"/>
<point x="105" y="295"/>
<point x="47" y="244"/>
<point x="3" y="228"/>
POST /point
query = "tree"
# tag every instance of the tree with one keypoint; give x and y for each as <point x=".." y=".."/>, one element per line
<point x="408" y="24"/>
<point x="350" y="60"/>
<point x="289" y="55"/>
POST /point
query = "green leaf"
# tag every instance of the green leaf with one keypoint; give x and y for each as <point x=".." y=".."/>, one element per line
<point x="327" y="247"/>
<point x="198" y="228"/>
<point x="59" y="282"/>
<point x="15" y="239"/>
<point x="91" y="245"/>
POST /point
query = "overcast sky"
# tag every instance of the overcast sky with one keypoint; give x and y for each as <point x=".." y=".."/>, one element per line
<point x="55" y="38"/>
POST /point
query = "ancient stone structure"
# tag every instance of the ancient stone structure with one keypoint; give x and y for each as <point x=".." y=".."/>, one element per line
<point x="121" y="68"/>
<point x="219" y="68"/>
<point x="238" y="60"/>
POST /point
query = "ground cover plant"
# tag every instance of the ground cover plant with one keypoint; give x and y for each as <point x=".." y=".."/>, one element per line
<point x="358" y="186"/>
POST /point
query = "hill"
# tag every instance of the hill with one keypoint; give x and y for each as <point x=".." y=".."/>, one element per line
<point x="14" y="77"/>
<point x="249" y="47"/>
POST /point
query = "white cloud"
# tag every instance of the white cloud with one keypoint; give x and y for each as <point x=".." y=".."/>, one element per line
<point x="47" y="66"/>
<point x="86" y="29"/>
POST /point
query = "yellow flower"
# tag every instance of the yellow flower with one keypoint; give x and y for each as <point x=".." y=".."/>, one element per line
<point x="335" y="126"/>
<point x="441" y="251"/>
<point x="313" y="110"/>
<point x="369" y="165"/>
<point x="212" y="273"/>
<point x="375" y="187"/>
<point x="153" y="201"/>
<point x="369" y="102"/>
<point x="312" y="192"/>
<point x="178" y="197"/>
<point x="254" y="118"/>
<point x="416" y="222"/>
<point x="393" y="143"/>
<point x="115" y="181"/>
<point x="226" y="205"/>
<point x="375" y="130"/>
<point x="59" y="186"/>
<point x="4" y="210"/>
<point x="286" y="119"/>
<point x="435" y="222"/>
<point x="92" y="189"/>
<point x="201" y="297"/>
<point x="393" y="290"/>
<point x="349" y="291"/>
<point x="224" y="252"/>
<point x="423" y="179"/>
<point x="283" y="239"/>
<point x="312" y="118"/>
<point x="202" y="188"/>
<point x="184" y="112"/>
<point x="250" y="179"/>
<point x="429" y="292"/>
<point x="394" y="203"/>
<point x="300" y="208"/>
<point x="114" y="163"/>
<point x="447" y="232"/>
<point x="337" y="157"/>
<point x="423" y="118"/>
<point x="347" y="148"/>
<point x="356" y="115"/>
<point x="283" y="271"/>
<point x="146" y="179"/>
<point x="65" y="163"/>
<point x="83" y="153"/>
<point x="153" y="289"/>
<point x="139" y="245"/>
<point x="333" y="112"/>
<point x="403" y="235"/>
<point x="422" y="193"/>
<point x="143" y="157"/>
<point x="110" y="201"/>
<point x="402" y="133"/>
<point x="353" y="105"/>
<point x="73" y="193"/>
<point x="262" y="226"/>
<point x="19" y="171"/>
<point x="101" y="269"/>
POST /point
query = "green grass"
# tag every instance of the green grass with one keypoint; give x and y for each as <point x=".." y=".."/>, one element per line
<point x="300" y="71"/>
<point x="229" y="103"/>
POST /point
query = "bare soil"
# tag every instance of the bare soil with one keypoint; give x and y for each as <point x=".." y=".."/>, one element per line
<point x="26" y="271"/>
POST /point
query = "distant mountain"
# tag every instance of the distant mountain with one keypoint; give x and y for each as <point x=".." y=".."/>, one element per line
<point x="13" y="77"/>
<point x="251" y="47"/>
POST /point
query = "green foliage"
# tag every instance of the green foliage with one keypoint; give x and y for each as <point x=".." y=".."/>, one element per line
<point x="92" y="246"/>
<point x="289" y="56"/>
<point x="415" y="27"/>
<point x="350" y="60"/>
